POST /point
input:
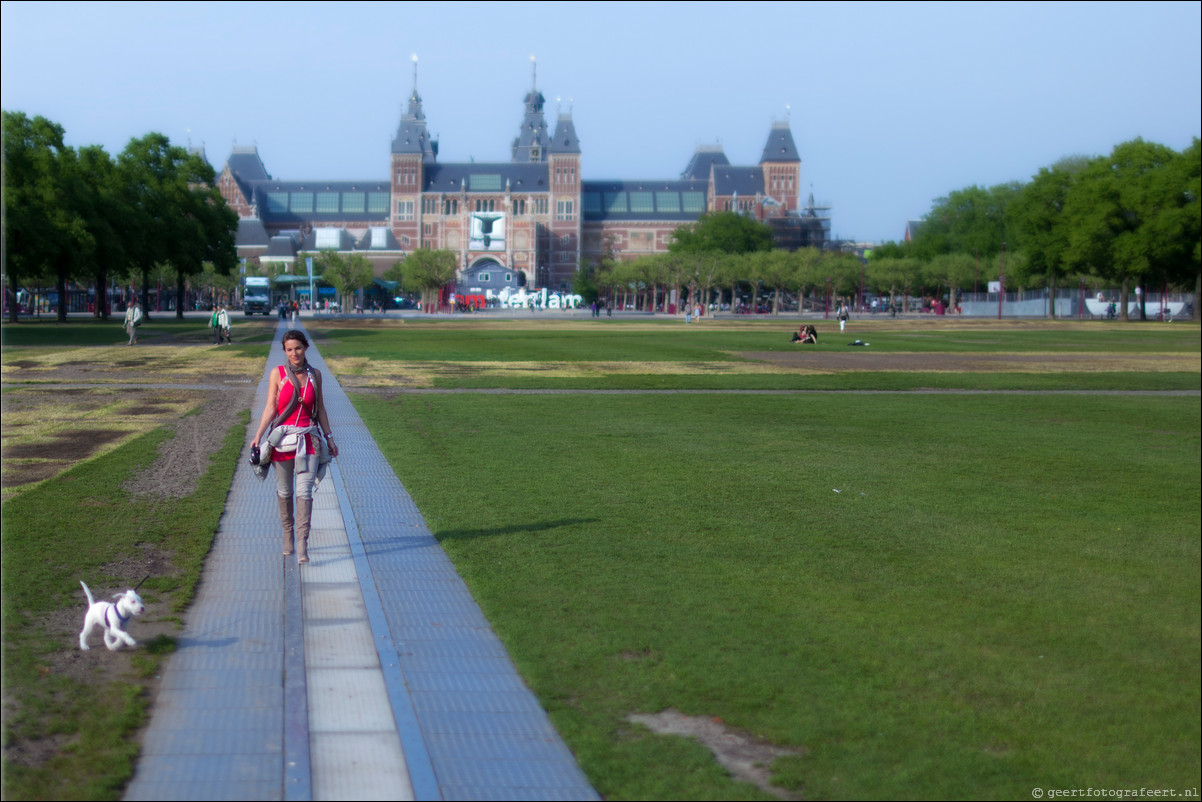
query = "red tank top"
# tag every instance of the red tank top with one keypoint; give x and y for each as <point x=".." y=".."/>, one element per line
<point x="303" y="416"/>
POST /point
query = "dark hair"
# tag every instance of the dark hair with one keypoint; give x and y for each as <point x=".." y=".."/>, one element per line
<point x="294" y="334"/>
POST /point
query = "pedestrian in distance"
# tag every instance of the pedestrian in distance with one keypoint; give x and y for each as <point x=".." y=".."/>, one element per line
<point x="133" y="319"/>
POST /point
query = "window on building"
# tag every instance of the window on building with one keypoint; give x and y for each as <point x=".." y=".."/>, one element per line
<point x="519" y="207"/>
<point x="667" y="201"/>
<point x="615" y="201"/>
<point x="377" y="203"/>
<point x="427" y="230"/>
<point x="327" y="203"/>
<point x="565" y="210"/>
<point x="590" y="202"/>
<point x="328" y="239"/>
<point x="301" y="202"/>
<point x="277" y="202"/>
<point x="485" y="205"/>
<point x="404" y="210"/>
<point x="352" y="202"/>
<point x="450" y="206"/>
<point x="540" y="206"/>
<point x="641" y="202"/>
<point x="484" y="182"/>
<point x="483" y="278"/>
<point x="429" y="206"/>
<point x="379" y="238"/>
<point x="692" y="202"/>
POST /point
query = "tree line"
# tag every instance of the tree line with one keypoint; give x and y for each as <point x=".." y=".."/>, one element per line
<point x="80" y="215"/>
<point x="1127" y="219"/>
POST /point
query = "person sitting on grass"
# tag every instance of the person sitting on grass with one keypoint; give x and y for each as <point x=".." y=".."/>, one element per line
<point x="806" y="335"/>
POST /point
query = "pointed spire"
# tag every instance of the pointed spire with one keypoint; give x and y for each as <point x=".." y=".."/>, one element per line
<point x="411" y="135"/>
<point x="564" y="140"/>
<point x="780" y="147"/>
<point x="532" y="141"/>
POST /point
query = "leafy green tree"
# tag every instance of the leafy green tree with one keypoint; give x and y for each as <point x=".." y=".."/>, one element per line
<point x="346" y="273"/>
<point x="951" y="270"/>
<point x="45" y="229"/>
<point x="1129" y="216"/>
<point x="894" y="275"/>
<point x="176" y="213"/>
<point x="1039" y="221"/>
<point x="774" y="269"/>
<point x="430" y="271"/>
<point x="107" y="213"/>
<point x="845" y="271"/>
<point x="970" y="220"/>
<point x="725" y="232"/>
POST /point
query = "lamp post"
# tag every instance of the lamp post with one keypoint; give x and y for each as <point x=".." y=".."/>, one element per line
<point x="826" y="311"/>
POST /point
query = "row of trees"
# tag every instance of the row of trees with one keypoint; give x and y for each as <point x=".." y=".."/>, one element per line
<point x="1130" y="219"/>
<point x="427" y="271"/>
<point x="79" y="215"/>
<point x="762" y="277"/>
<point x="724" y="252"/>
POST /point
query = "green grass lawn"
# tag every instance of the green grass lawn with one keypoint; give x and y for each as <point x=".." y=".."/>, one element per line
<point x="69" y="529"/>
<point x="668" y="340"/>
<point x="935" y="597"/>
<point x="930" y="595"/>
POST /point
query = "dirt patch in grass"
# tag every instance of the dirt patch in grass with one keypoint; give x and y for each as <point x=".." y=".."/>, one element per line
<point x="748" y="759"/>
<point x="864" y="359"/>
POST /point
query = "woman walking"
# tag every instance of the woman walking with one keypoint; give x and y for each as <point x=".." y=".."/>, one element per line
<point x="133" y="319"/>
<point x="299" y="439"/>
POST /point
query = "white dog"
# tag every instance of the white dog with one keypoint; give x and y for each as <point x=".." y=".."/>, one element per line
<point x="111" y="618"/>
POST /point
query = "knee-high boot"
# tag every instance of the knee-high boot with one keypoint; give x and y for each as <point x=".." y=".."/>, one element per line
<point x="286" y="520"/>
<point x="304" y="514"/>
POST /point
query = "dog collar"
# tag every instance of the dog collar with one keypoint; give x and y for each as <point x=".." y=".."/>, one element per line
<point x="120" y="618"/>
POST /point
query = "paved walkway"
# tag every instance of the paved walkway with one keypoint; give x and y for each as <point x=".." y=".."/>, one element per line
<point x="369" y="673"/>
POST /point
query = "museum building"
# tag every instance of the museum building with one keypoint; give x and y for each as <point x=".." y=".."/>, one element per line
<point x="527" y="222"/>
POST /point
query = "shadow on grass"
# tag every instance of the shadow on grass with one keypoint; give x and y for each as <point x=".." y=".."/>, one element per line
<point x="533" y="528"/>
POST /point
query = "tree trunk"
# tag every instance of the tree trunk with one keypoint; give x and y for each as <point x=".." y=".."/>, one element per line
<point x="11" y="296"/>
<point x="102" y="295"/>
<point x="1123" y="300"/>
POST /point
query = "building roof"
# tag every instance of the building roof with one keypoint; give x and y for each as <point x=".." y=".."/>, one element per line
<point x="532" y="140"/>
<point x="282" y="247"/>
<point x="412" y="135"/>
<point x="564" y="140"/>
<point x="705" y="156"/>
<point x="251" y="233"/>
<point x="780" y="146"/>
<point x="651" y="201"/>
<point x="486" y="177"/>
<point x="247" y="168"/>
<point x="322" y="201"/>
<point x="747" y="181"/>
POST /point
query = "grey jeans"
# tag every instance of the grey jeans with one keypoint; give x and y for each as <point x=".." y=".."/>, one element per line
<point x="283" y="478"/>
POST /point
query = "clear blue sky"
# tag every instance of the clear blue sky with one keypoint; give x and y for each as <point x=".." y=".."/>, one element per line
<point x="891" y="104"/>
